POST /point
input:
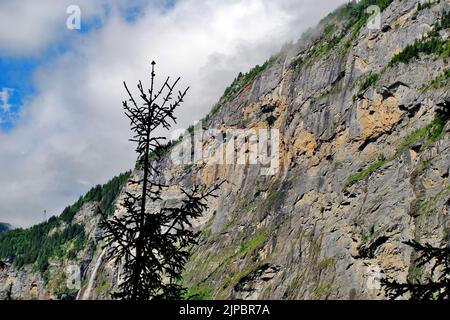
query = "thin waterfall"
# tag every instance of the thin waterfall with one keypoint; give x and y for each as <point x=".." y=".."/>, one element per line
<point x="87" y="292"/>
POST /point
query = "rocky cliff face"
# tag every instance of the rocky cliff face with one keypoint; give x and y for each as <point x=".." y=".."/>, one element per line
<point x="364" y="166"/>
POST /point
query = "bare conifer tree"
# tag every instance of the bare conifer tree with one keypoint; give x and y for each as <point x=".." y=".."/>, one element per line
<point x="153" y="247"/>
<point x="437" y="284"/>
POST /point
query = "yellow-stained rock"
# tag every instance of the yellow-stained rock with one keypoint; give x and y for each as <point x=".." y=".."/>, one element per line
<point x="377" y="116"/>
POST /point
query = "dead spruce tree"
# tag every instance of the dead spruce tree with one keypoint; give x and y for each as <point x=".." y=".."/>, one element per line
<point x="437" y="285"/>
<point x="152" y="246"/>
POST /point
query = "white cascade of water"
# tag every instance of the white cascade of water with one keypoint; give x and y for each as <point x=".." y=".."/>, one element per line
<point x="87" y="292"/>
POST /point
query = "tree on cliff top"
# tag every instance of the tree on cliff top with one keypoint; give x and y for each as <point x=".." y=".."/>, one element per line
<point x="153" y="246"/>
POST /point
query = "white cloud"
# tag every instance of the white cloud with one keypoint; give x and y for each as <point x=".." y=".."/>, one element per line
<point x="5" y="93"/>
<point x="73" y="134"/>
<point x="28" y="27"/>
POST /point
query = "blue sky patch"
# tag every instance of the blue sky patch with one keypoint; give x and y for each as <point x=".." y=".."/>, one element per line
<point x="16" y="82"/>
<point x="16" y="73"/>
<point x="10" y="103"/>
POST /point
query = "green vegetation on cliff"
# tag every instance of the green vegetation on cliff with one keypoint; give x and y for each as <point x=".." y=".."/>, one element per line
<point x="105" y="195"/>
<point x="355" y="16"/>
<point x="58" y="237"/>
<point x="433" y="45"/>
<point x="365" y="172"/>
<point x="427" y="4"/>
<point x="240" y="82"/>
<point x="425" y="136"/>
<point x="369" y="81"/>
<point x="441" y="81"/>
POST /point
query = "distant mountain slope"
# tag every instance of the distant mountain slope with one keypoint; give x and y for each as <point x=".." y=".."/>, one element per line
<point x="70" y="237"/>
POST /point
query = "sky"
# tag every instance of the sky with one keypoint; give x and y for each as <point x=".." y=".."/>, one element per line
<point x="62" y="127"/>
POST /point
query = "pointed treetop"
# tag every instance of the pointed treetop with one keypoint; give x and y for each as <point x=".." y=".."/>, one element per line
<point x="153" y="63"/>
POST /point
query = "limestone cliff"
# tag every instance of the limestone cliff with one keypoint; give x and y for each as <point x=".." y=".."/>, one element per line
<point x="364" y="165"/>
